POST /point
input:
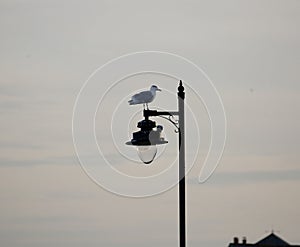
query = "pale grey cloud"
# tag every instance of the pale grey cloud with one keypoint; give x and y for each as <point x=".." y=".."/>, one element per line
<point x="252" y="177"/>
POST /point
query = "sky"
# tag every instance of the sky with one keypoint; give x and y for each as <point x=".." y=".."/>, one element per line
<point x="251" y="52"/>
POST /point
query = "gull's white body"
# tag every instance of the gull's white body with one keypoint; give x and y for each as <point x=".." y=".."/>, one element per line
<point x="144" y="97"/>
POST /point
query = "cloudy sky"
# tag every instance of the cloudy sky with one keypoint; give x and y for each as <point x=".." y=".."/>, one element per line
<point x="250" y="50"/>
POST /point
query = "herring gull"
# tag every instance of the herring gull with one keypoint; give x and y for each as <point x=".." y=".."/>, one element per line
<point x="144" y="97"/>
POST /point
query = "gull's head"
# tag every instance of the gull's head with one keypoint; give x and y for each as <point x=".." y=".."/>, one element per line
<point x="154" y="88"/>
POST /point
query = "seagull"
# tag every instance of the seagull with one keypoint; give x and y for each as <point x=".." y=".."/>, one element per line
<point x="144" y="97"/>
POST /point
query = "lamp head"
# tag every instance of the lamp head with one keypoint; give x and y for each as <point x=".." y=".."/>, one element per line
<point x="146" y="140"/>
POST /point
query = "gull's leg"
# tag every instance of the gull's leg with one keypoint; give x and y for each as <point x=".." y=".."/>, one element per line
<point x="147" y="106"/>
<point x="144" y="106"/>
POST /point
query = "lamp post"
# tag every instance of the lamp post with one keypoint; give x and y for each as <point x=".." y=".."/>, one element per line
<point x="150" y="135"/>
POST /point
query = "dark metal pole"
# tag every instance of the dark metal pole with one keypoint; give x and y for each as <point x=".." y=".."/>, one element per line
<point x="182" y="222"/>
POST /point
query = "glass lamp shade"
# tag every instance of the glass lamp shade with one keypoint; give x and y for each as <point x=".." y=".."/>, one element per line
<point x="147" y="153"/>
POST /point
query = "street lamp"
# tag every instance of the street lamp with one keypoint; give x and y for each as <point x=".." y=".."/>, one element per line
<point x="146" y="139"/>
<point x="149" y="136"/>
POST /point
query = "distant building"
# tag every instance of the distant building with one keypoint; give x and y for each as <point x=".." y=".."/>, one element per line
<point x="271" y="240"/>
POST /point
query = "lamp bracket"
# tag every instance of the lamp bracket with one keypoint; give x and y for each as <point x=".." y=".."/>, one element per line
<point x="170" y="116"/>
<point x="173" y="121"/>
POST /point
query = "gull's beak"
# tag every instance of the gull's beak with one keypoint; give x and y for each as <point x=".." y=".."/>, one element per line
<point x="158" y="89"/>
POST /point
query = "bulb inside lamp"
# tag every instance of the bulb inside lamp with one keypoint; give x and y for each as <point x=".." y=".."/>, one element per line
<point x="147" y="153"/>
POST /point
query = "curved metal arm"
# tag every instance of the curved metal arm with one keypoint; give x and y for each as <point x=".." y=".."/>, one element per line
<point x="175" y="123"/>
<point x="154" y="113"/>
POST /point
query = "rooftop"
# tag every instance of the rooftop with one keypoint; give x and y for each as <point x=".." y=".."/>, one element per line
<point x="272" y="240"/>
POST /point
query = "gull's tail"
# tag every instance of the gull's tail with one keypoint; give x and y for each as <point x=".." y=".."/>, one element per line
<point x="130" y="102"/>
